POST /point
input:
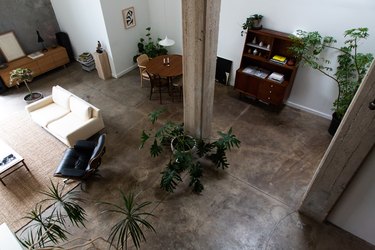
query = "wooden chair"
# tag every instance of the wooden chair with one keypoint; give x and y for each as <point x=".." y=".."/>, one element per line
<point x="142" y="61"/>
<point x="176" y="84"/>
<point x="158" y="83"/>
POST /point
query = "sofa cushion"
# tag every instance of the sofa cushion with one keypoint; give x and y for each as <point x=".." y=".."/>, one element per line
<point x="79" y="108"/>
<point x="65" y="125"/>
<point x="48" y="114"/>
<point x="61" y="97"/>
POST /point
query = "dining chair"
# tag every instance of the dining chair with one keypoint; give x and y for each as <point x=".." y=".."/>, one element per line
<point x="176" y="85"/>
<point x="158" y="83"/>
<point x="142" y="60"/>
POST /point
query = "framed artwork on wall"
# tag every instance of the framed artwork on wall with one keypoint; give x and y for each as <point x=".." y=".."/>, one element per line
<point x="129" y="17"/>
<point x="10" y="47"/>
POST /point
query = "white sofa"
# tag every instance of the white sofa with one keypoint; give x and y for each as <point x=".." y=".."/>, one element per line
<point x="66" y="116"/>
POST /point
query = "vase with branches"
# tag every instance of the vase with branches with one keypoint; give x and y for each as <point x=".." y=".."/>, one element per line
<point x="310" y="47"/>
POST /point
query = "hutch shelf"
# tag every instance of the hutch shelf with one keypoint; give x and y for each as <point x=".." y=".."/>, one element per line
<point x="267" y="68"/>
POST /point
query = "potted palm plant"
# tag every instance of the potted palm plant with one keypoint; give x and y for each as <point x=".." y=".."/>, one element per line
<point x="310" y="47"/>
<point x="25" y="75"/>
<point x="188" y="153"/>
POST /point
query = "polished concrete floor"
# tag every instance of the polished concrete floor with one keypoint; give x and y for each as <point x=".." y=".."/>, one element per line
<point x="251" y="205"/>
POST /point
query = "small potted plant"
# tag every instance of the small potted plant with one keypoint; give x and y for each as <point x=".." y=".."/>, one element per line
<point x="150" y="47"/>
<point x="252" y="22"/>
<point x="310" y="48"/>
<point x="25" y="75"/>
<point x="188" y="153"/>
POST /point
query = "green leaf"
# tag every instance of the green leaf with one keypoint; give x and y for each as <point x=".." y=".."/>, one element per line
<point x="228" y="140"/>
<point x="154" y="115"/>
<point x="131" y="220"/>
<point x="144" y="138"/>
<point x="170" y="178"/>
<point x="155" y="149"/>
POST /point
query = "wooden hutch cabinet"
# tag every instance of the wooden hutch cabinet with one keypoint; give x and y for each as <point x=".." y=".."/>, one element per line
<point x="265" y="71"/>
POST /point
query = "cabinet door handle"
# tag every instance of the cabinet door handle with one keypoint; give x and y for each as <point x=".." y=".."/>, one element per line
<point x="270" y="91"/>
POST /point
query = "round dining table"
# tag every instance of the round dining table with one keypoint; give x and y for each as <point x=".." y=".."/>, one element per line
<point x="159" y="66"/>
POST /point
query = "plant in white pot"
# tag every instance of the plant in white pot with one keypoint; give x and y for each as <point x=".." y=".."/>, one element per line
<point x="187" y="154"/>
<point x="25" y="75"/>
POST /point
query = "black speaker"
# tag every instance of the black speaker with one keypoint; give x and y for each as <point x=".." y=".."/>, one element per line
<point x="3" y="88"/>
<point x="63" y="40"/>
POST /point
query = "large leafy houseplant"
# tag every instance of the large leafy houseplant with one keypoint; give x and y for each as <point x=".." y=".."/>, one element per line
<point x="188" y="153"/>
<point x="149" y="47"/>
<point x="310" y="48"/>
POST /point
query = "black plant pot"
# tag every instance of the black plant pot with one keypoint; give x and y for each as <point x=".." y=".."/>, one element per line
<point x="34" y="96"/>
<point x="335" y="122"/>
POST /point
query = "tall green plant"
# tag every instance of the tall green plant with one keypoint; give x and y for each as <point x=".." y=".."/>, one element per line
<point x="310" y="48"/>
<point x="132" y="219"/>
<point x="150" y="47"/>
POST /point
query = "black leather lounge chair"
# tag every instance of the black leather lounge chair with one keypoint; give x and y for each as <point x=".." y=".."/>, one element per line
<point x="83" y="160"/>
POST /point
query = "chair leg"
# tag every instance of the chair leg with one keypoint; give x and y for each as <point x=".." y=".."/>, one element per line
<point x="160" y="93"/>
<point x="141" y="82"/>
<point x="151" y="91"/>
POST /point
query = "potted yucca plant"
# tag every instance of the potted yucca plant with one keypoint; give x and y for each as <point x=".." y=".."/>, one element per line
<point x="25" y="75"/>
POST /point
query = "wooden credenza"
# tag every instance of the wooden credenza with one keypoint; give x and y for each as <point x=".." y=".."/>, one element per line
<point x="53" y="58"/>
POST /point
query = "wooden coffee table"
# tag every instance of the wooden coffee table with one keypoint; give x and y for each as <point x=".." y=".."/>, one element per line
<point x="10" y="161"/>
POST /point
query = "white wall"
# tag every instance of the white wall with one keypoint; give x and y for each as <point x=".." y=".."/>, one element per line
<point x="166" y="19"/>
<point x="355" y="210"/>
<point x="123" y="42"/>
<point x="83" y="21"/>
<point x="311" y="90"/>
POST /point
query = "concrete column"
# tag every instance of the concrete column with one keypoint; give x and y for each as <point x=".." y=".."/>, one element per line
<point x="200" y="36"/>
<point x="353" y="140"/>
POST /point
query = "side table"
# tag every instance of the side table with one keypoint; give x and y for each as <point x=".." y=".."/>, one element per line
<point x="10" y="161"/>
<point x="102" y="65"/>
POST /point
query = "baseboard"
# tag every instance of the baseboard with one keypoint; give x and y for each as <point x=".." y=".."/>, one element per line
<point x="125" y="71"/>
<point x="309" y="110"/>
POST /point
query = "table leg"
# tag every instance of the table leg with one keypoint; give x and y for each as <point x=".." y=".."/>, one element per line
<point x="23" y="162"/>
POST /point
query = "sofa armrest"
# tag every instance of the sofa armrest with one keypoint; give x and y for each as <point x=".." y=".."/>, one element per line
<point x="89" y="128"/>
<point x="39" y="104"/>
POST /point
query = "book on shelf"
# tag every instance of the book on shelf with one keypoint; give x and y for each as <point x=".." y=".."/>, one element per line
<point x="279" y="58"/>
<point x="255" y="71"/>
<point x="35" y="55"/>
<point x="277" y="77"/>
<point x="278" y="62"/>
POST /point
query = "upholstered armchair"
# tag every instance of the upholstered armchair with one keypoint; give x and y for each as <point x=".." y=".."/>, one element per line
<point x="83" y="160"/>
